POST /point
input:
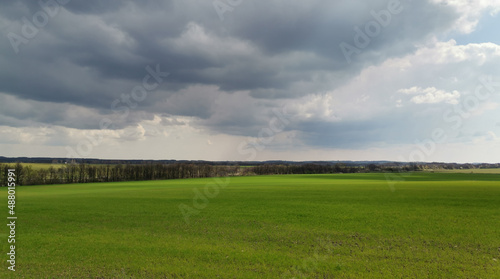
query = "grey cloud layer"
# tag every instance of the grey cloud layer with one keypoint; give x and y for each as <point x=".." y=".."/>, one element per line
<point x="92" y="52"/>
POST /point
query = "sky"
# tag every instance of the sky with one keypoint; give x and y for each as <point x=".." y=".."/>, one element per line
<point x="251" y="80"/>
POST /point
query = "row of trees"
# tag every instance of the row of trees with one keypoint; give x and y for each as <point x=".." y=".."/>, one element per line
<point x="270" y="169"/>
<point x="83" y="173"/>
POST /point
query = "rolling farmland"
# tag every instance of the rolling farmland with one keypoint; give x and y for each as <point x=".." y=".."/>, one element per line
<point x="302" y="226"/>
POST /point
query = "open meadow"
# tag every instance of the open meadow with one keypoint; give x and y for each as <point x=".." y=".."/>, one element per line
<point x="419" y="225"/>
<point x="496" y="171"/>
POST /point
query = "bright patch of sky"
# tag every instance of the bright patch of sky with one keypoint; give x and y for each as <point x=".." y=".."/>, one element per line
<point x="487" y="31"/>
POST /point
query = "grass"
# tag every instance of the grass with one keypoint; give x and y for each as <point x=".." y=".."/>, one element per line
<point x="497" y="171"/>
<point x="433" y="225"/>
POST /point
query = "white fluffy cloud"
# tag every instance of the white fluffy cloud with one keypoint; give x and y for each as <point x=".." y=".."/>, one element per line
<point x="470" y="12"/>
<point x="431" y="95"/>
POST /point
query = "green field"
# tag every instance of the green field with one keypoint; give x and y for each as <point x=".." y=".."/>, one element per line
<point x="433" y="225"/>
<point x="497" y="171"/>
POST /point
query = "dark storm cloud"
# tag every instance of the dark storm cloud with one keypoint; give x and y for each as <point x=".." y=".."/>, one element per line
<point x="92" y="52"/>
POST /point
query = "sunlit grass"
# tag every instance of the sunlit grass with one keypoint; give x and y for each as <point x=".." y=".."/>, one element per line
<point x="303" y="226"/>
<point x="497" y="171"/>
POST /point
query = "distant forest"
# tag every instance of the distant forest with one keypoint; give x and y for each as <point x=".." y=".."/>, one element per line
<point x="83" y="172"/>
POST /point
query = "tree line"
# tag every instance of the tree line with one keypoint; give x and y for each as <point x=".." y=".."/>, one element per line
<point x="84" y="173"/>
<point x="89" y="173"/>
<point x="273" y="169"/>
